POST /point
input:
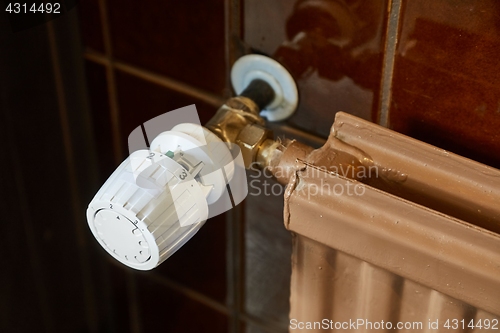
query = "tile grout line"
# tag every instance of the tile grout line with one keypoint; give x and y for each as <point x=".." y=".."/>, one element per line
<point x="235" y="260"/>
<point x="232" y="30"/>
<point x="188" y="90"/>
<point x="111" y="82"/>
<point x="134" y="320"/>
<point x="157" y="79"/>
<point x="188" y="292"/>
<point x="391" y="40"/>
<point x="72" y="179"/>
<point x="227" y="46"/>
<point x="231" y="297"/>
<point x="207" y="301"/>
<point x="171" y="84"/>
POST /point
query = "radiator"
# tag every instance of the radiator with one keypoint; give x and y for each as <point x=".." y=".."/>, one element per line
<point x="415" y="248"/>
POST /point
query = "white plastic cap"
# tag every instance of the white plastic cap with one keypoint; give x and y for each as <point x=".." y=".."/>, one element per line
<point x="255" y="66"/>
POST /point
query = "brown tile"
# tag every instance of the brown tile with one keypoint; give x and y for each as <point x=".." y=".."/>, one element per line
<point x="446" y="90"/>
<point x="179" y="39"/>
<point x="101" y="117"/>
<point x="140" y="100"/>
<point x="165" y="310"/>
<point x="201" y="263"/>
<point x="333" y="49"/>
<point x="91" y="25"/>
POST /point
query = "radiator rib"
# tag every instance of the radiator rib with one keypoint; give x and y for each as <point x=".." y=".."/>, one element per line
<point x="381" y="256"/>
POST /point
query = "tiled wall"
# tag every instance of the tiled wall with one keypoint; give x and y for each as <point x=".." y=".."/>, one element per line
<point x="445" y="88"/>
<point x="428" y="69"/>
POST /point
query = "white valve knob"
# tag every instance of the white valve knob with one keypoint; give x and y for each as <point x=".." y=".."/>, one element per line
<point x="157" y="199"/>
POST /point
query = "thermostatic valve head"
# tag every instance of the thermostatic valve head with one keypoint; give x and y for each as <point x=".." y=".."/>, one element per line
<point x="157" y="199"/>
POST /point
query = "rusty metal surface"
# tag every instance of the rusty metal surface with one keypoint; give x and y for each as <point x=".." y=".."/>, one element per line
<point x="395" y="252"/>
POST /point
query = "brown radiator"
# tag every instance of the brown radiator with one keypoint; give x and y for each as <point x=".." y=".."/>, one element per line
<point x="415" y="247"/>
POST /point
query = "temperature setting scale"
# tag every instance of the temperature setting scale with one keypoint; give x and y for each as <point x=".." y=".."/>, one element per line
<point x="121" y="236"/>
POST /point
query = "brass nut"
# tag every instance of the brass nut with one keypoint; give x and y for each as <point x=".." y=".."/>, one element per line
<point x="250" y="140"/>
